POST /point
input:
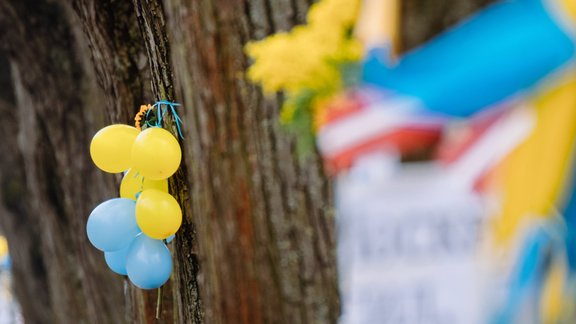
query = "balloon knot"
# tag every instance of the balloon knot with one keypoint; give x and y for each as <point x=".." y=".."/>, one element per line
<point x="159" y="109"/>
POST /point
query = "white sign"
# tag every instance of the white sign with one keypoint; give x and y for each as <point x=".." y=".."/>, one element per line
<point x="409" y="236"/>
<point x="408" y="251"/>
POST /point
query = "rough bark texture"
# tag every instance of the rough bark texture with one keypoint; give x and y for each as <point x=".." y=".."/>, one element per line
<point x="58" y="186"/>
<point x="257" y="239"/>
<point x="16" y="219"/>
<point x="264" y="221"/>
<point x="422" y="19"/>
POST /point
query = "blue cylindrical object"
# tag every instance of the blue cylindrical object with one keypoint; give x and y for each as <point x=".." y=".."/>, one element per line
<point x="504" y="49"/>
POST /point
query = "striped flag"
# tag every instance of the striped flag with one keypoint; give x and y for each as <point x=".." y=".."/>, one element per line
<point x="368" y="120"/>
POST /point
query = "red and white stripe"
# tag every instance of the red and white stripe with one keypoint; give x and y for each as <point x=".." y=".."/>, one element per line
<point x="389" y="123"/>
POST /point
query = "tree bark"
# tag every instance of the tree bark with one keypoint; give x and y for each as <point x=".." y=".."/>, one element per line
<point x="264" y="220"/>
<point x="257" y="239"/>
<point x="421" y="19"/>
<point x="16" y="219"/>
<point x="58" y="185"/>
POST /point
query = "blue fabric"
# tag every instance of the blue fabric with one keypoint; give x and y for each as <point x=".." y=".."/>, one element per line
<point x="505" y="49"/>
<point x="569" y="213"/>
<point x="528" y="275"/>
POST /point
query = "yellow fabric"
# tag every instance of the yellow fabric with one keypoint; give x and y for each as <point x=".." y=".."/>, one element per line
<point x="570" y="8"/>
<point x="378" y="22"/>
<point x="533" y="176"/>
<point x="551" y="305"/>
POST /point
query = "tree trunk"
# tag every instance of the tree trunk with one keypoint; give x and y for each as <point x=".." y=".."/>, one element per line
<point x="16" y="218"/>
<point x="257" y="239"/>
<point x="264" y="220"/>
<point x="54" y="183"/>
<point x="422" y="19"/>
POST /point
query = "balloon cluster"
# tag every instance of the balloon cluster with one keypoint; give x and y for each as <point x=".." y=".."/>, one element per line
<point x="133" y="230"/>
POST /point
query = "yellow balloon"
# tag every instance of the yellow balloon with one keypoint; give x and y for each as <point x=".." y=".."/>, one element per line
<point x="111" y="146"/>
<point x="133" y="183"/>
<point x="158" y="214"/>
<point x="156" y="154"/>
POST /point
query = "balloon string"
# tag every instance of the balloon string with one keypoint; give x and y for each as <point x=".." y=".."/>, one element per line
<point x="147" y="113"/>
<point x="136" y="174"/>
<point x="159" y="303"/>
<point x="161" y="111"/>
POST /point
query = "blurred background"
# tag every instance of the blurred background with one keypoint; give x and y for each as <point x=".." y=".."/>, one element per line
<point x="258" y="242"/>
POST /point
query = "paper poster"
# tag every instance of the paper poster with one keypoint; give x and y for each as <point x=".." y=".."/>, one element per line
<point x="408" y="251"/>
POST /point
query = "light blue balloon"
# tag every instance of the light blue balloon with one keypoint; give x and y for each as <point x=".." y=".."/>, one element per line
<point x="116" y="260"/>
<point x="170" y="238"/>
<point x="149" y="263"/>
<point x="112" y="225"/>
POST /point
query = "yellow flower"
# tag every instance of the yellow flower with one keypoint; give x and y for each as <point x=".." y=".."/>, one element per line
<point x="140" y="114"/>
<point x="330" y="12"/>
<point x="306" y="57"/>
